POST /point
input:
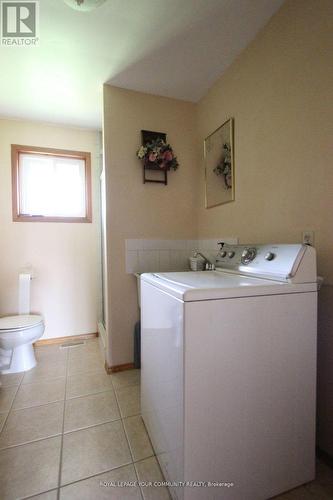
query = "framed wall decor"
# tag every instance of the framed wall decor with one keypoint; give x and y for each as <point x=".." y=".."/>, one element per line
<point x="156" y="155"/>
<point x="219" y="165"/>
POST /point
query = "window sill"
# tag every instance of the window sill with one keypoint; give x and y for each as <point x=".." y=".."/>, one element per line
<point x="38" y="218"/>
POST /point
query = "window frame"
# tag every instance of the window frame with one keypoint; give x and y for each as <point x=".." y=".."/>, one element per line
<point x="16" y="150"/>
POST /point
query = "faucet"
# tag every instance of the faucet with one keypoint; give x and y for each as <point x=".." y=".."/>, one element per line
<point x="209" y="264"/>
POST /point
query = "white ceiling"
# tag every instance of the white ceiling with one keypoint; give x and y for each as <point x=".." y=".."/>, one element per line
<point x="174" y="48"/>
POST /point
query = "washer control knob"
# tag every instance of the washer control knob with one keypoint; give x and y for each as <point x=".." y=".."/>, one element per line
<point x="269" y="256"/>
<point x="223" y="253"/>
<point x="248" y="255"/>
<point x="231" y="254"/>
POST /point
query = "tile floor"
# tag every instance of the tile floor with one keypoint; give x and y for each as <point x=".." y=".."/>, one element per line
<point x="68" y="430"/>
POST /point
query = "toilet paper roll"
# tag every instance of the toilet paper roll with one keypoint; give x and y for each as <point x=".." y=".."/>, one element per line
<point x="24" y="293"/>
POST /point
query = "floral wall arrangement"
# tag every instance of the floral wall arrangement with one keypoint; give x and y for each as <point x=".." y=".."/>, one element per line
<point x="156" y="154"/>
<point x="159" y="153"/>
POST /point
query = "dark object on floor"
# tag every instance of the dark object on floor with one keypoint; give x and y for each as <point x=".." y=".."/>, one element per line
<point x="324" y="457"/>
<point x="137" y="345"/>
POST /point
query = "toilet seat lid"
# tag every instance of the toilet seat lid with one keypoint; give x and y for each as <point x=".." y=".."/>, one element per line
<point x="20" y="321"/>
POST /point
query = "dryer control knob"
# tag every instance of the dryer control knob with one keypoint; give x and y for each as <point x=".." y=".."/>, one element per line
<point x="223" y="254"/>
<point x="269" y="256"/>
<point x="231" y="254"/>
<point x="248" y="255"/>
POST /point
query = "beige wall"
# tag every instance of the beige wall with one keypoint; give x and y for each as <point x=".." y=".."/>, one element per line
<point x="137" y="210"/>
<point x="280" y="93"/>
<point x="64" y="256"/>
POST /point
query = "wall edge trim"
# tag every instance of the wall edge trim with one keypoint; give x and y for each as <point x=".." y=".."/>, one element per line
<point x="118" y="368"/>
<point x="70" y="338"/>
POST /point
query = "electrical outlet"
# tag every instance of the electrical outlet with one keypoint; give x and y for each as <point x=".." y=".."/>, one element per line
<point x="308" y="238"/>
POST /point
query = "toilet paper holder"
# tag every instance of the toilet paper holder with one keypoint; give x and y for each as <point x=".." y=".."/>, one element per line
<point x="25" y="277"/>
<point x="28" y="269"/>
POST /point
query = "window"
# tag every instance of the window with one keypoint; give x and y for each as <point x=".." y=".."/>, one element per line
<point x="50" y="185"/>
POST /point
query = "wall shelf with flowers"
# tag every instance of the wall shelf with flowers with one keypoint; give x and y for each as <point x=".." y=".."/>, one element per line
<point x="156" y="154"/>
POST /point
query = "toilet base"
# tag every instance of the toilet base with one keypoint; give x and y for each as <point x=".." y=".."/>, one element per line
<point x="23" y="359"/>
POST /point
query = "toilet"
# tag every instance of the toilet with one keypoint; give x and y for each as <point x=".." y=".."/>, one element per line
<point x="17" y="334"/>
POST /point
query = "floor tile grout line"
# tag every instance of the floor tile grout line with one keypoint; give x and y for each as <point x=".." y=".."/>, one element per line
<point x="151" y="444"/>
<point x="129" y="446"/>
<point x="121" y="417"/>
<point x="59" y="433"/>
<point x="142" y="459"/>
<point x="150" y="441"/>
<point x="89" y="394"/>
<point x="43" y="380"/>
<point x="86" y="372"/>
<point x="38" y="406"/>
<point x="130" y="449"/>
<point x="98" y="474"/>
<point x="62" y="433"/>
<point x="11" y="446"/>
<point x="93" y="425"/>
<point x="92" y="359"/>
<point x="51" y="379"/>
<point x="156" y="459"/>
<point x="131" y="415"/>
<point x="127" y="440"/>
<point x="41" y="493"/>
<point x="9" y="385"/>
<point x="63" y="424"/>
<point x="115" y="391"/>
<point x="116" y="396"/>
<point x="137" y="461"/>
<point x="94" y="356"/>
<point x="11" y="406"/>
<point x="119" y="388"/>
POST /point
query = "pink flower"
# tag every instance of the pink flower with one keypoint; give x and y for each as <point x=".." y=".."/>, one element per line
<point x="152" y="157"/>
<point x="168" y="156"/>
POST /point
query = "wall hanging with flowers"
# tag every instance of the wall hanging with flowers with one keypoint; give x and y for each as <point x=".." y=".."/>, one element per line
<point x="224" y="166"/>
<point x="156" y="154"/>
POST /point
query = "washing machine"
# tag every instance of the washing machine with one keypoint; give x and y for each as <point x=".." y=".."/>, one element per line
<point x="229" y="373"/>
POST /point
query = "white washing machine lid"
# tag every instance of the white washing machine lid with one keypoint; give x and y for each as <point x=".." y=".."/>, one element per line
<point x="21" y="321"/>
<point x="245" y="271"/>
<point x="208" y="285"/>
